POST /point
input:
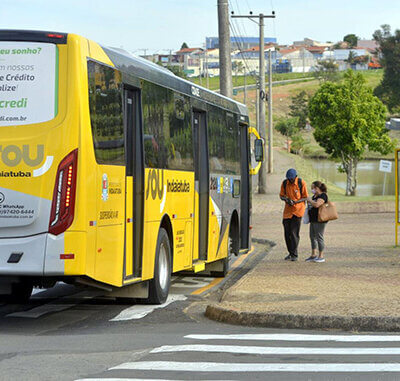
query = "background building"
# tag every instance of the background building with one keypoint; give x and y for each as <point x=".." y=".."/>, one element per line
<point x="239" y="43"/>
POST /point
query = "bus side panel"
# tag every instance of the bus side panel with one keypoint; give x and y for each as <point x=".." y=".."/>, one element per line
<point x="214" y="231"/>
<point x="110" y="197"/>
<point x="168" y="193"/>
<point x="222" y="206"/>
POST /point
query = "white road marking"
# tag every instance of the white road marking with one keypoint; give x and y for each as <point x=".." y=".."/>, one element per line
<point x="130" y="379"/>
<point x="276" y="350"/>
<point x="140" y="311"/>
<point x="41" y="310"/>
<point x="257" y="367"/>
<point x="299" y="337"/>
<point x="36" y="291"/>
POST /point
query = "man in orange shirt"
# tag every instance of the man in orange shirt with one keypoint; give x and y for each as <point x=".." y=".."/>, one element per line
<point x="294" y="193"/>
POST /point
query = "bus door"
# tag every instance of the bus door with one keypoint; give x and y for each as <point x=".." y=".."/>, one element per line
<point x="201" y="183"/>
<point x="134" y="186"/>
<point x="245" y="186"/>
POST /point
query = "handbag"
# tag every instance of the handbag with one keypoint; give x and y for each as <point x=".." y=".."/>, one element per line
<point x="327" y="212"/>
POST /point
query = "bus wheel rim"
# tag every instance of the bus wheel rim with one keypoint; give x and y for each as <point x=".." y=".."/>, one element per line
<point x="163" y="267"/>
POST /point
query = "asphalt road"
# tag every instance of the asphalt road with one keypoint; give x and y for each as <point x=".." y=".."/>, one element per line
<point x="67" y="333"/>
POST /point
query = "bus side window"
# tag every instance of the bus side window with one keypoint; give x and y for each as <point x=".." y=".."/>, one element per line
<point x="167" y="129"/>
<point x="105" y="105"/>
<point x="223" y="142"/>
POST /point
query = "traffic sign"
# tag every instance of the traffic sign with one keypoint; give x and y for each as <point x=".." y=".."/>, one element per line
<point x="385" y="166"/>
<point x="188" y="71"/>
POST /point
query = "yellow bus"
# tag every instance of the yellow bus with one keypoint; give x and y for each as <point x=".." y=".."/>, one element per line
<point x="114" y="172"/>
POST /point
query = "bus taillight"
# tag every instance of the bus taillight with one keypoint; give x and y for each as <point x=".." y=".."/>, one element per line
<point x="63" y="205"/>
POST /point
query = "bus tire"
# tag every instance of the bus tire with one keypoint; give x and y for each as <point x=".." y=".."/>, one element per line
<point x="159" y="285"/>
<point x="233" y="241"/>
<point x="20" y="292"/>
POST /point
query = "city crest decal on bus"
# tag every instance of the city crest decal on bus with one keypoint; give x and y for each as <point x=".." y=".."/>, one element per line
<point x="104" y="187"/>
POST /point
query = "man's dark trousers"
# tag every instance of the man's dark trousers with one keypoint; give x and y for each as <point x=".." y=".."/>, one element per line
<point x="292" y="234"/>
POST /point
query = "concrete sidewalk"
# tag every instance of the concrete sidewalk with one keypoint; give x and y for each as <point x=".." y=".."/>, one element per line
<point x="357" y="288"/>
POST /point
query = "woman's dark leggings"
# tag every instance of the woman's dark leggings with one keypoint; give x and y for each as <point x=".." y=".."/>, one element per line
<point x="317" y="235"/>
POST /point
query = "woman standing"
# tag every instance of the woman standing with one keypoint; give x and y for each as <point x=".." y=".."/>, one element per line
<point x="317" y="229"/>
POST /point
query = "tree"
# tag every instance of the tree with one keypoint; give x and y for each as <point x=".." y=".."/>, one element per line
<point x="298" y="144"/>
<point x="288" y="127"/>
<point x="299" y="108"/>
<point x="237" y="67"/>
<point x="184" y="46"/>
<point x="177" y="70"/>
<point x="389" y="53"/>
<point x="351" y="39"/>
<point x="348" y="119"/>
<point x="351" y="58"/>
<point x="327" y="70"/>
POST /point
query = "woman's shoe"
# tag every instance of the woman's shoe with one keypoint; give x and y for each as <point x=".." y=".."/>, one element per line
<point x="319" y="260"/>
<point x="311" y="259"/>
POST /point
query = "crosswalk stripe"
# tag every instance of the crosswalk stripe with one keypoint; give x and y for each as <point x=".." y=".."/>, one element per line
<point x="131" y="379"/>
<point x="257" y="367"/>
<point x="140" y="311"/>
<point x="298" y="337"/>
<point x="275" y="350"/>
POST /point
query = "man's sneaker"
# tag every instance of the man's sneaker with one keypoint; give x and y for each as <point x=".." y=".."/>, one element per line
<point x="319" y="260"/>
<point x="311" y="259"/>
<point x="288" y="257"/>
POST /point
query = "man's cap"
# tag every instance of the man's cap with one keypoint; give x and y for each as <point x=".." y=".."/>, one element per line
<point x="291" y="174"/>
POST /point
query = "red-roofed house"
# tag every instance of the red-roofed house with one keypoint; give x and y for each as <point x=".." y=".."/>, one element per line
<point x="300" y="59"/>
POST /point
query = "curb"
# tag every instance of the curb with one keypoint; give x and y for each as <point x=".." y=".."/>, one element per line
<point x="271" y="320"/>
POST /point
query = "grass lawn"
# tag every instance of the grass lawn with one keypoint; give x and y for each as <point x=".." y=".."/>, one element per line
<point x="250" y="79"/>
<point x="308" y="173"/>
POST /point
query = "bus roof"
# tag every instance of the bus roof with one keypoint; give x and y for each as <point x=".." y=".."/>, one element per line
<point x="147" y="70"/>
<point x="33" y="35"/>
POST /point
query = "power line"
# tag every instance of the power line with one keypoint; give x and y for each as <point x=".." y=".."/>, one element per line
<point x="241" y="41"/>
<point x="233" y="30"/>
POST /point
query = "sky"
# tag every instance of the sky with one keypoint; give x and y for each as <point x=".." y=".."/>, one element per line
<point x="161" y="25"/>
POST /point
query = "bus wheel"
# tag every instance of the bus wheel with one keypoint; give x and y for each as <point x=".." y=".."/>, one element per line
<point x="159" y="285"/>
<point x="233" y="243"/>
<point x="20" y="292"/>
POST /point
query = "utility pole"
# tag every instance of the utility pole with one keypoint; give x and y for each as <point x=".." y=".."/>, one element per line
<point x="262" y="178"/>
<point x="257" y="108"/>
<point x="206" y="59"/>
<point x="270" y="127"/>
<point x="200" y="69"/>
<point x="225" y="63"/>
<point x="245" y="86"/>
<point x="262" y="174"/>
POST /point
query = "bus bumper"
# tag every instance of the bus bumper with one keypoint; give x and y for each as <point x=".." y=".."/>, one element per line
<point x="38" y="255"/>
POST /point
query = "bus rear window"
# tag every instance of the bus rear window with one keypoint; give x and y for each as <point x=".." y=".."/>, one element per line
<point x="28" y="82"/>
